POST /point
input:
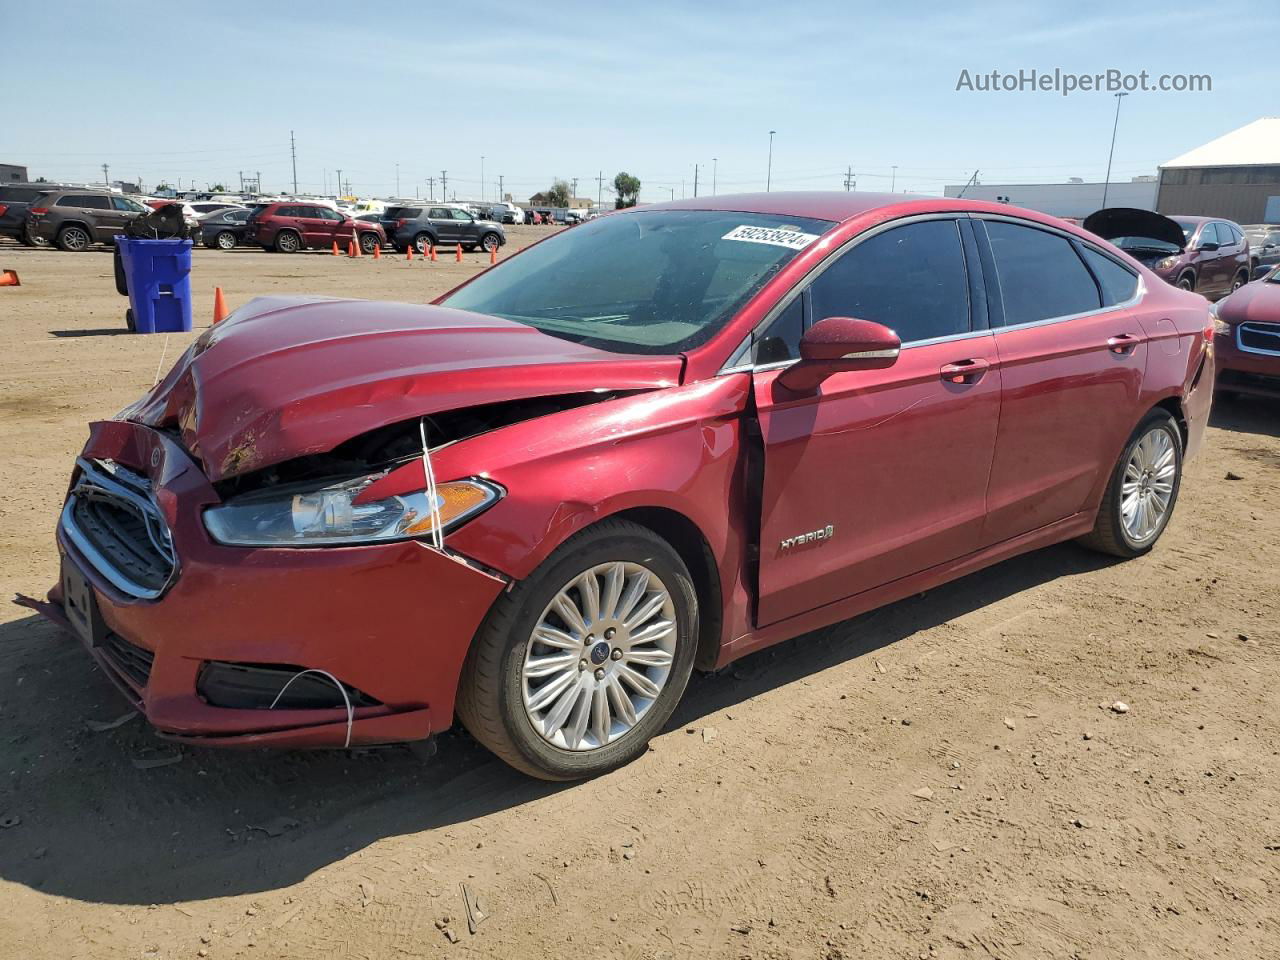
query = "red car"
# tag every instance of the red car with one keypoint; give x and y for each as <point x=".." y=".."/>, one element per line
<point x="662" y="440"/>
<point x="1248" y="338"/>
<point x="293" y="225"/>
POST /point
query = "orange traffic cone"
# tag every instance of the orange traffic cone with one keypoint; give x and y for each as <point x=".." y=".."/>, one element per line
<point x="377" y="252"/>
<point x="432" y="248"/>
<point x="335" y="248"/>
<point x="219" y="305"/>
<point x="493" y="255"/>
<point x="9" y="278"/>
<point x="408" y="252"/>
<point x="459" y="256"/>
<point x="355" y="246"/>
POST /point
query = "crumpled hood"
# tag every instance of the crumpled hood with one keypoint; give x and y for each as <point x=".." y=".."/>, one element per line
<point x="283" y="377"/>
<point x="1112" y="222"/>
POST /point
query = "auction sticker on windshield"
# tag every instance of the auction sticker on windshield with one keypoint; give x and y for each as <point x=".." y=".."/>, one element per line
<point x="793" y="239"/>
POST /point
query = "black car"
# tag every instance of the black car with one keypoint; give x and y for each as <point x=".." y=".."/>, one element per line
<point x="1264" y="246"/>
<point x="224" y="229"/>
<point x="439" y="224"/>
<point x="15" y="198"/>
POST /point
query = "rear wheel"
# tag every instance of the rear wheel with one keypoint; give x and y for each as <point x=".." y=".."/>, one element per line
<point x="74" y="239"/>
<point x="578" y="666"/>
<point x="422" y="242"/>
<point x="1143" y="490"/>
<point x="226" y="240"/>
<point x="288" y="242"/>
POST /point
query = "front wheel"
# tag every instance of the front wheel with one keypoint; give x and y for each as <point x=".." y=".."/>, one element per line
<point x="368" y="242"/>
<point x="578" y="666"/>
<point x="1240" y="280"/>
<point x="490" y="242"/>
<point x="1187" y="282"/>
<point x="1143" y="490"/>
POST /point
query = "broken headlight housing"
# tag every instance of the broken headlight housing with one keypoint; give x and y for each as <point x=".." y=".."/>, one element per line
<point x="303" y="515"/>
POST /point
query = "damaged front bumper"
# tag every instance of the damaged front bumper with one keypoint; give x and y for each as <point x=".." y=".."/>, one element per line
<point x="208" y="648"/>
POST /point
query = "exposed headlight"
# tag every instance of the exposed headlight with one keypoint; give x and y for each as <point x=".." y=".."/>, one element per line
<point x="306" y="516"/>
<point x="1168" y="263"/>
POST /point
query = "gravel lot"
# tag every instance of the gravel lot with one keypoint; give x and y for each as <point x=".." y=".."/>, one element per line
<point x="941" y="778"/>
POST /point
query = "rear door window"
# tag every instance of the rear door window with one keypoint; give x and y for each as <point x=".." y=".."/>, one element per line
<point x="84" y="201"/>
<point x="1041" y="277"/>
<point x="439" y="213"/>
<point x="1118" y="283"/>
<point x="911" y="278"/>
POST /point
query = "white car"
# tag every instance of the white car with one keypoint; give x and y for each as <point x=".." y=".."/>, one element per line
<point x="507" y="213"/>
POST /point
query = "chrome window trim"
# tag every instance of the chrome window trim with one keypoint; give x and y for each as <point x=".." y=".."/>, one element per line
<point x="1255" y="328"/>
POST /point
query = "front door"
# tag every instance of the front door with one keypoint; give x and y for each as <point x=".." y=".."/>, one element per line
<point x="445" y="227"/>
<point x="880" y="473"/>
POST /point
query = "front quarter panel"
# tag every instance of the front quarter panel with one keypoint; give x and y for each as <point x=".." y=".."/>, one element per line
<point x="677" y="448"/>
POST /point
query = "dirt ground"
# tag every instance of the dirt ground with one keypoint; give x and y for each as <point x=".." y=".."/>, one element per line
<point x="941" y="778"/>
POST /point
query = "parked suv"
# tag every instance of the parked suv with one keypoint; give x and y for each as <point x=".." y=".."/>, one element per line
<point x="1203" y="254"/>
<point x="290" y="226"/>
<point x="77" y="219"/>
<point x="15" y="199"/>
<point x="1264" y="245"/>
<point x="435" y="225"/>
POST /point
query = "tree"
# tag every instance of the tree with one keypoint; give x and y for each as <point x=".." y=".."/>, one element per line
<point x="628" y="189"/>
<point x="558" y="195"/>
<point x="163" y="186"/>
<point x="41" y="180"/>
<point x="219" y="188"/>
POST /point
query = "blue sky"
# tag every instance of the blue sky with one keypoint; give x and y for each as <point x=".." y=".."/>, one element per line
<point x="570" y="89"/>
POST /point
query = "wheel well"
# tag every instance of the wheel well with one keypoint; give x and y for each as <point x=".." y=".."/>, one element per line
<point x="76" y="223"/>
<point x="1173" y="406"/>
<point x="688" y="541"/>
<point x="1188" y="273"/>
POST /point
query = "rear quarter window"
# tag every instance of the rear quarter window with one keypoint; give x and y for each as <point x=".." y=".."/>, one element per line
<point x="1118" y="283"/>
<point x="18" y="194"/>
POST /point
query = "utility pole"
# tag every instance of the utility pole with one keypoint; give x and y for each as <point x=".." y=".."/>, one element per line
<point x="575" y="189"/>
<point x="444" y="185"/>
<point x="259" y="175"/>
<point x="482" y="178"/>
<point x="502" y="190"/>
<point x="768" y="177"/>
<point x="339" y="190"/>
<point x="970" y="182"/>
<point x="848" y="179"/>
<point x="293" y="154"/>
<point x="893" y="182"/>
<point x="600" y="189"/>
<point x="715" y="168"/>
<point x="242" y="181"/>
<point x="431" y="188"/>
<point x="397" y="179"/>
<point x="106" y="178"/>
<point x="695" y="179"/>
<point x="1107" y="183"/>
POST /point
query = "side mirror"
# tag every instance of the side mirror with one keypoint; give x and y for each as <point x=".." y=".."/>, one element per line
<point x="839" y="344"/>
<point x="1208" y="246"/>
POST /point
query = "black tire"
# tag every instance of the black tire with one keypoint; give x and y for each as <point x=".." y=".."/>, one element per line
<point x="423" y="241"/>
<point x="129" y="321"/>
<point x="1187" y="282"/>
<point x="225" y="240"/>
<point x="369" y="241"/>
<point x="1240" y="280"/>
<point x="490" y="699"/>
<point x="74" y="238"/>
<point x="1109" y="534"/>
<point x="490" y="241"/>
<point x="288" y="241"/>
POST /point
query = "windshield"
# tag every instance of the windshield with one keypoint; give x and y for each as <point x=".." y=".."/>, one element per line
<point x="1188" y="227"/>
<point x="645" y="282"/>
<point x="1144" y="243"/>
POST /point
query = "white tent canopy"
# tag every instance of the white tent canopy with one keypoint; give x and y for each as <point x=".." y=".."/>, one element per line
<point x="1254" y="143"/>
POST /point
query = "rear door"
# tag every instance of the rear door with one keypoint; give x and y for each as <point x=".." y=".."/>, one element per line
<point x="886" y="468"/>
<point x="1072" y="355"/>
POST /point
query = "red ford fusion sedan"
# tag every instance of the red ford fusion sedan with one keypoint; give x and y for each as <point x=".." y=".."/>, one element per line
<point x="1248" y="338"/>
<point x="656" y="442"/>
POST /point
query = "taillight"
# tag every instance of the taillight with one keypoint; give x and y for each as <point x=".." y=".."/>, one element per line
<point x="3" y="208"/>
<point x="38" y="211"/>
<point x="1209" y="331"/>
<point x="401" y="222"/>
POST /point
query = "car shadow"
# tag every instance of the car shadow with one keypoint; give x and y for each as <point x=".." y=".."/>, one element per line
<point x="95" y="826"/>
<point x="1246" y="414"/>
<point x="95" y="332"/>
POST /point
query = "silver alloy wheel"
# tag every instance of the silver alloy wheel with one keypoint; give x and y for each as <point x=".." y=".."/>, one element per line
<point x="599" y="656"/>
<point x="368" y="241"/>
<point x="490" y="242"/>
<point x="227" y="240"/>
<point x="287" y="241"/>
<point x="1147" y="489"/>
<point x="75" y="239"/>
<point x="1185" y="283"/>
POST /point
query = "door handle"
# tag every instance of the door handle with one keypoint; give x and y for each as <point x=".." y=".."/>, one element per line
<point x="1122" y="343"/>
<point x="964" y="371"/>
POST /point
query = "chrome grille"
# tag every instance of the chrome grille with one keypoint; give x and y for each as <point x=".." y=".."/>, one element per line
<point x="1258" y="337"/>
<point x="111" y="517"/>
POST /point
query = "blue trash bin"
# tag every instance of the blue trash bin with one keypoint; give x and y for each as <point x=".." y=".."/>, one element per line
<point x="158" y="275"/>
